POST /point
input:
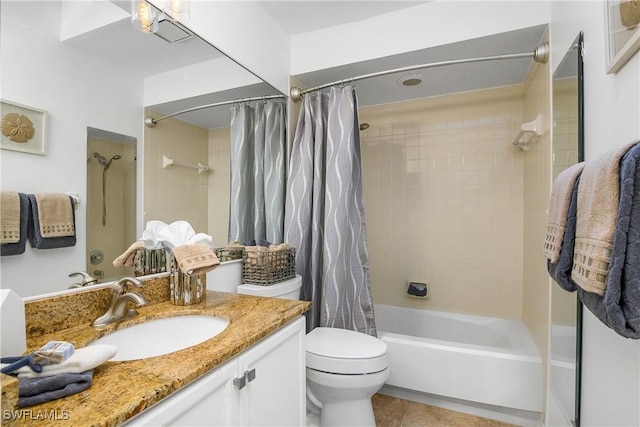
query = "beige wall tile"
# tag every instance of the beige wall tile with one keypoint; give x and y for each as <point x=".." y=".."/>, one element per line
<point x="432" y="197"/>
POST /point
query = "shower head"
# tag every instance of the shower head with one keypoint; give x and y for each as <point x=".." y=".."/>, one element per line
<point x="101" y="159"/>
<point x="116" y="157"/>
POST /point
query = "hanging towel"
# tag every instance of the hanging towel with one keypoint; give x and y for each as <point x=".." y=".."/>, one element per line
<point x="195" y="258"/>
<point x="9" y="217"/>
<point x="33" y="391"/>
<point x="619" y="307"/>
<point x="560" y="271"/>
<point x="598" y="198"/>
<point x="55" y="215"/>
<point x="83" y="359"/>
<point x="127" y="258"/>
<point x="60" y="236"/>
<point x="8" y="214"/>
<point x="558" y="209"/>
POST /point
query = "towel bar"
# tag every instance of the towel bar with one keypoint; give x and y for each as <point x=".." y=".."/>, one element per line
<point x="168" y="161"/>
<point x="530" y="133"/>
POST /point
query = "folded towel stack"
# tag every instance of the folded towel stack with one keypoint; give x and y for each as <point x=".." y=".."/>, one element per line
<point x="259" y="255"/>
<point x="69" y="377"/>
<point x="83" y="359"/>
<point x="14" y="219"/>
<point x="600" y="252"/>
<point x="33" y="391"/>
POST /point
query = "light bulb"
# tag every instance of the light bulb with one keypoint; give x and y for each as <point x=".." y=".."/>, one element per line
<point x="178" y="10"/>
<point x="144" y="16"/>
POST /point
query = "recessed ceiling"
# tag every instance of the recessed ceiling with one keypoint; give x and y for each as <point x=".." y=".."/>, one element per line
<point x="440" y="80"/>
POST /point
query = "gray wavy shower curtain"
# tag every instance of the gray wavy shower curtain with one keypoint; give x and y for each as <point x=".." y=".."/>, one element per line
<point x="324" y="215"/>
<point x="258" y="171"/>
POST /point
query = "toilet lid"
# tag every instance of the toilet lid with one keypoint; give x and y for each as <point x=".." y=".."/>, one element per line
<point x="275" y="290"/>
<point x="342" y="351"/>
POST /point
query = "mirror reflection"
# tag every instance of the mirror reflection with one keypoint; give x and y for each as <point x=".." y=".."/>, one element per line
<point x="565" y="306"/>
<point x="111" y="201"/>
<point x="101" y="73"/>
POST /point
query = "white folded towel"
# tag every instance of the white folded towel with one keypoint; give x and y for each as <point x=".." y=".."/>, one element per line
<point x="175" y="234"/>
<point x="83" y="359"/>
<point x="159" y="235"/>
<point x="150" y="234"/>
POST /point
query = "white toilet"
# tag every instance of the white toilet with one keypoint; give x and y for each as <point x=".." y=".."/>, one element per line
<point x="344" y="368"/>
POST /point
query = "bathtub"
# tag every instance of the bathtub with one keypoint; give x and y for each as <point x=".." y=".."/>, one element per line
<point x="478" y="359"/>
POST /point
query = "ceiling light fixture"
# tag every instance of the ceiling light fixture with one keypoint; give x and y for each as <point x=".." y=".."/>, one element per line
<point x="177" y="10"/>
<point x="144" y="17"/>
<point x="410" y="80"/>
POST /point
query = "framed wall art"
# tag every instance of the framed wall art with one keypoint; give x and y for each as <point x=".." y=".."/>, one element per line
<point x="622" y="29"/>
<point x="23" y="128"/>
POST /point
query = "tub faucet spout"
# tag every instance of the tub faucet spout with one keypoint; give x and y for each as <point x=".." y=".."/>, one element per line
<point x="121" y="299"/>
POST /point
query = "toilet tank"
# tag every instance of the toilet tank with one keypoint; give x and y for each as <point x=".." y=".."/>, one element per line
<point x="287" y="289"/>
<point x="226" y="277"/>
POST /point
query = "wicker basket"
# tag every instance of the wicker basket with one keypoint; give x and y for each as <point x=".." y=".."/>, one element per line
<point x="269" y="267"/>
<point x="226" y="254"/>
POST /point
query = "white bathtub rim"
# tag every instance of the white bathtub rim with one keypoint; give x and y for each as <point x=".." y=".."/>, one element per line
<point x="457" y="347"/>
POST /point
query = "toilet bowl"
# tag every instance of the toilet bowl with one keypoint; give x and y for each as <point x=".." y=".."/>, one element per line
<point x="344" y="368"/>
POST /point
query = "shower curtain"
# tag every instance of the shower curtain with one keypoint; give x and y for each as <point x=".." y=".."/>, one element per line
<point x="258" y="172"/>
<point x="324" y="215"/>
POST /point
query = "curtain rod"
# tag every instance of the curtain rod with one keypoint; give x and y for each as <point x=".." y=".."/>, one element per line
<point x="540" y="54"/>
<point x="151" y="122"/>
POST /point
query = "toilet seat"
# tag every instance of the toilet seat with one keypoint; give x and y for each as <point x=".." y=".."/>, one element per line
<point x="341" y="351"/>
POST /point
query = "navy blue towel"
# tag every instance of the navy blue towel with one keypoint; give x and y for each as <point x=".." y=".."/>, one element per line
<point x="19" y="247"/>
<point x="36" y="239"/>
<point x="619" y="307"/>
<point x="561" y="272"/>
<point x="33" y="391"/>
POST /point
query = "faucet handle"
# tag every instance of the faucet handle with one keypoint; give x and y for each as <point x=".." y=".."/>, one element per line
<point x="87" y="279"/>
<point x="121" y="285"/>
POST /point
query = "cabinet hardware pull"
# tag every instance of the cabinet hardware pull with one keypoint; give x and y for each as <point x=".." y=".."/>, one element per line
<point x="250" y="375"/>
<point x="240" y="382"/>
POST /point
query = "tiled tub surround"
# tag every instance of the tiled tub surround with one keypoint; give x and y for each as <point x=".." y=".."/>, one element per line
<point x="444" y="201"/>
<point x="122" y="389"/>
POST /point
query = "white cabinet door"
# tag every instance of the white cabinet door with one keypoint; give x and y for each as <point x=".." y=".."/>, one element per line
<point x="274" y="369"/>
<point x="263" y="386"/>
<point x="209" y="401"/>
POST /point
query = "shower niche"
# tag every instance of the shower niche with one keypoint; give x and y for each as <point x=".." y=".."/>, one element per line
<point x="111" y="201"/>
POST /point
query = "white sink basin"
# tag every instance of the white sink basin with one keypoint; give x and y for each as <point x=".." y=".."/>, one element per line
<point x="162" y="336"/>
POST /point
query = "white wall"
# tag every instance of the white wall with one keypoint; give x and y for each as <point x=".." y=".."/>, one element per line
<point x="196" y="80"/>
<point x="611" y="364"/>
<point x="40" y="72"/>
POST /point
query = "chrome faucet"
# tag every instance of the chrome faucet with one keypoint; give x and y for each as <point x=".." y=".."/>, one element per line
<point x="87" y="279"/>
<point x="120" y="298"/>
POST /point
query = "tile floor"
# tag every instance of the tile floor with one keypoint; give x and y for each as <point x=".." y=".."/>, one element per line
<point x="394" y="412"/>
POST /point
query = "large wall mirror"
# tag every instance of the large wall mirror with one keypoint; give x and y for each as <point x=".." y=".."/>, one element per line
<point x="98" y="77"/>
<point x="566" y="309"/>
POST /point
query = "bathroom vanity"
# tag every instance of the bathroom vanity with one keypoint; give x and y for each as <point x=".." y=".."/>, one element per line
<point x="263" y="386"/>
<point x="252" y="373"/>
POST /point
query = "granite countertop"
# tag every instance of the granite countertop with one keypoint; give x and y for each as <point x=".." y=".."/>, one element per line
<point x="121" y="390"/>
